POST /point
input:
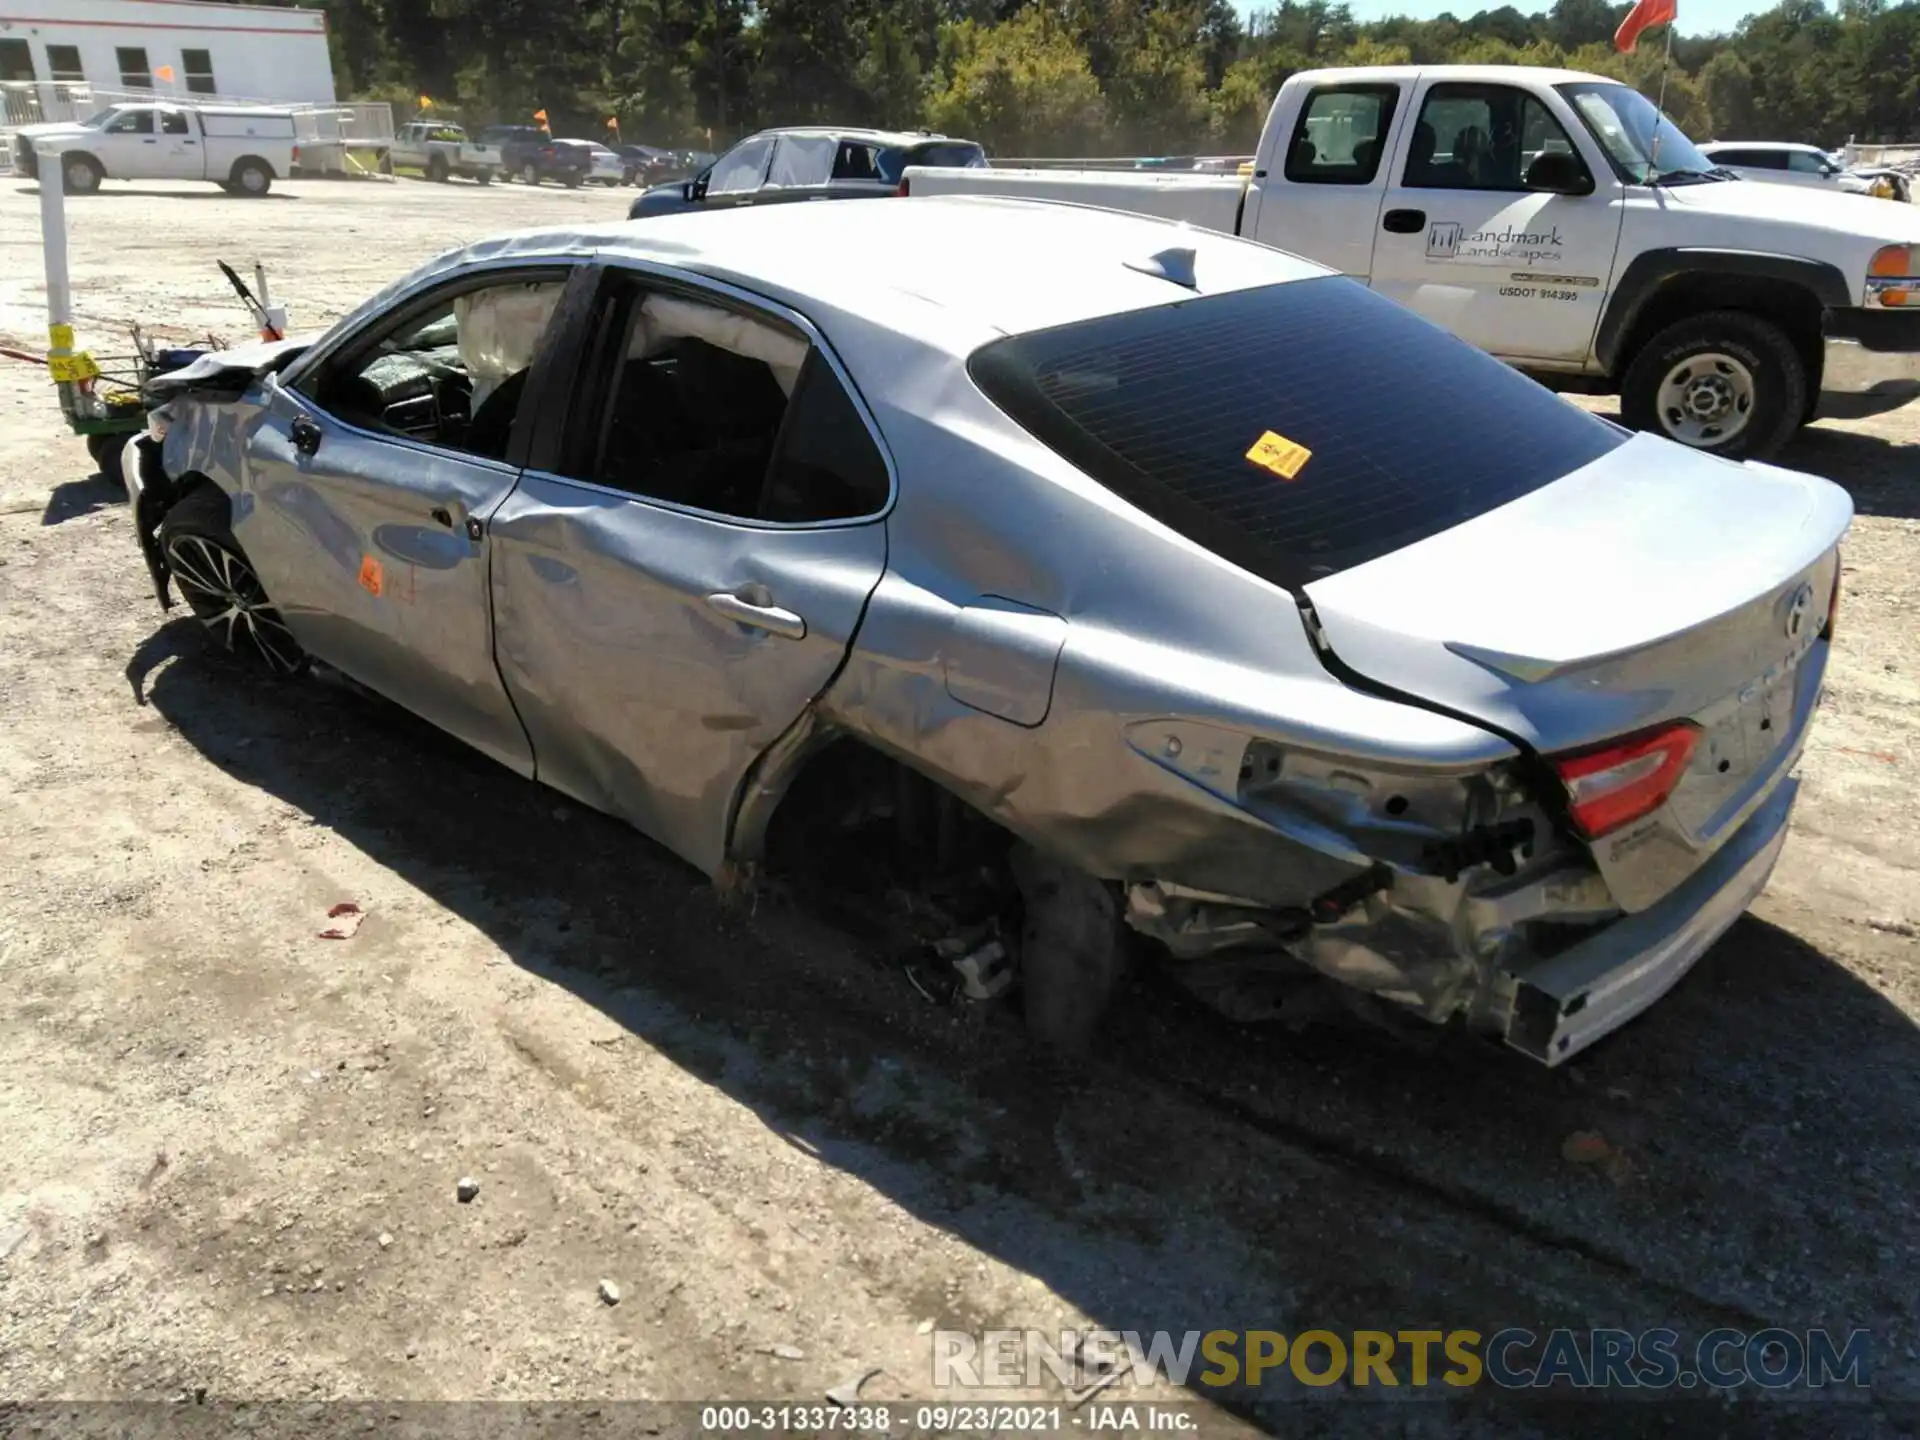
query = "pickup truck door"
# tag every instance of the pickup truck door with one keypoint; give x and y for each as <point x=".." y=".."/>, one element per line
<point x="1316" y="187"/>
<point x="1471" y="237"/>
<point x="129" y="145"/>
<point x="181" y="152"/>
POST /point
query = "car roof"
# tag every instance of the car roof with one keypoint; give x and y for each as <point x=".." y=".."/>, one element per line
<point x="1459" y="74"/>
<point x="856" y="132"/>
<point x="951" y="271"/>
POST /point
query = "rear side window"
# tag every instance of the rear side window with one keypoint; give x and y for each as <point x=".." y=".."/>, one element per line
<point x="949" y="154"/>
<point x="1297" y="430"/>
<point x="1340" y="134"/>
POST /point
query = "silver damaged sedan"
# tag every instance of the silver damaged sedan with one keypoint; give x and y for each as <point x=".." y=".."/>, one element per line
<point x="1193" y="592"/>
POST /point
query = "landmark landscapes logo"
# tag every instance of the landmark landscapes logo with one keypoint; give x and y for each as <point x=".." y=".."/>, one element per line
<point x="1450" y="240"/>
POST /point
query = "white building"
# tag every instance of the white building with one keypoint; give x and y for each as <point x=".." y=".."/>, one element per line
<point x="174" y="48"/>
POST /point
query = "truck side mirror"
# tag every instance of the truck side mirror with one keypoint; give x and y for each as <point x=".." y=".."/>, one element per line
<point x="1558" y="173"/>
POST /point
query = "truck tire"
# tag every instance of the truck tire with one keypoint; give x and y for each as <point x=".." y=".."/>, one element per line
<point x="437" y="168"/>
<point x="80" y="174"/>
<point x="1726" y="382"/>
<point x="215" y="578"/>
<point x="483" y="177"/>
<point x="572" y="180"/>
<point x="529" y="174"/>
<point x="251" y="177"/>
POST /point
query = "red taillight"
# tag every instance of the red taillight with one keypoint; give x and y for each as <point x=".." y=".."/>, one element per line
<point x="903" y="186"/>
<point x="1625" y="779"/>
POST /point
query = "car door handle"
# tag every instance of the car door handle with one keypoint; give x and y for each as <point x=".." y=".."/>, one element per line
<point x="770" y="618"/>
<point x="306" y="435"/>
<point x="1404" y="222"/>
<point x="443" y="515"/>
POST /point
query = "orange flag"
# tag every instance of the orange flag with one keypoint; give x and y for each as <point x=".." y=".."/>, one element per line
<point x="1644" y="16"/>
<point x="165" y="72"/>
<point x="541" y="116"/>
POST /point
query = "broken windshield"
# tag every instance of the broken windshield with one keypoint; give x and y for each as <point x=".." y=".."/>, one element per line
<point x="1644" y="146"/>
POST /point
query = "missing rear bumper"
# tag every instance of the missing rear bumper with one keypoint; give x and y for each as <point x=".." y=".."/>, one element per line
<point x="1566" y="1003"/>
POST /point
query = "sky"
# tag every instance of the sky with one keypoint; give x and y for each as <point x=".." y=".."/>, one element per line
<point x="1701" y="17"/>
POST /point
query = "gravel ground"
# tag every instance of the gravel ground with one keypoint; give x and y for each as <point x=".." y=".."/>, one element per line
<point x="231" y="1147"/>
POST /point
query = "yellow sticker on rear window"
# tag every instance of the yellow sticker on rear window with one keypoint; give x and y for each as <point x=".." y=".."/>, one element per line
<point x="1282" y="456"/>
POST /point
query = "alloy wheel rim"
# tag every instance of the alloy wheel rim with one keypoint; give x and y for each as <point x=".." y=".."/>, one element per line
<point x="227" y="597"/>
<point x="1707" y="399"/>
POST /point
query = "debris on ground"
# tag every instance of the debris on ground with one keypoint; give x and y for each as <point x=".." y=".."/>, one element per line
<point x="986" y="973"/>
<point x="465" y="1189"/>
<point x="847" y="1394"/>
<point x="346" y="918"/>
<point x="1585" y="1147"/>
<point x="385" y="1240"/>
<point x="784" y="1352"/>
<point x="609" y="1292"/>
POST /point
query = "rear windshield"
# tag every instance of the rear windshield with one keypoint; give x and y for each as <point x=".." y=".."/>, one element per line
<point x="1297" y="429"/>
<point x="954" y="155"/>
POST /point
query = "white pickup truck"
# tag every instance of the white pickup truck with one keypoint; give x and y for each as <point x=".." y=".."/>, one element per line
<point x="1555" y="220"/>
<point x="441" y="150"/>
<point x="242" y="149"/>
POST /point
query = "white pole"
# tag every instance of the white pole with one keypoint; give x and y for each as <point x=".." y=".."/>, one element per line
<point x="53" y="245"/>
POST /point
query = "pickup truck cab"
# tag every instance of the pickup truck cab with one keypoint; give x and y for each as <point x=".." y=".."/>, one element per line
<point x="242" y="149"/>
<point x="440" y="150"/>
<point x="1558" y="221"/>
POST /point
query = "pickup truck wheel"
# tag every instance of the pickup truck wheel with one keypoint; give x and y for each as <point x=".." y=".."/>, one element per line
<point x="251" y="178"/>
<point x="216" y="580"/>
<point x="483" y="177"/>
<point x="1725" y="382"/>
<point x="437" y="169"/>
<point x="80" y="174"/>
<point x="529" y="174"/>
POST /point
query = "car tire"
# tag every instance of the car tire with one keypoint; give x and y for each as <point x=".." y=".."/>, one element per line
<point x="572" y="181"/>
<point x="105" y="452"/>
<point x="1726" y="382"/>
<point x="437" y="169"/>
<point x="529" y="175"/>
<point x="215" y="578"/>
<point x="80" y="174"/>
<point x="251" y="178"/>
<point x="483" y="177"/>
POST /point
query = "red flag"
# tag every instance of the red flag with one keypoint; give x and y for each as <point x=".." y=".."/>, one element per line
<point x="1644" y="16"/>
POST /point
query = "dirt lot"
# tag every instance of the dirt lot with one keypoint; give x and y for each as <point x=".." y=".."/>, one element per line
<point x="231" y="1147"/>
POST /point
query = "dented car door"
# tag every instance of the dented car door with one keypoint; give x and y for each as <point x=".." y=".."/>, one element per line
<point x="688" y="554"/>
<point x="372" y="474"/>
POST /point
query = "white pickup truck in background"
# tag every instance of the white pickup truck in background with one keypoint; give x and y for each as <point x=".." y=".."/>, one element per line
<point x="441" y="150"/>
<point x="1531" y="212"/>
<point x="242" y="149"/>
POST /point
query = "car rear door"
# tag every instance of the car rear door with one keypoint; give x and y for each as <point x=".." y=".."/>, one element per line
<point x="800" y="169"/>
<point x="689" y="553"/>
<point x="369" y="482"/>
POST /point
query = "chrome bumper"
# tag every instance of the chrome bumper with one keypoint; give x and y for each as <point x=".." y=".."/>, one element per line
<point x="1856" y="382"/>
<point x="1563" y="1005"/>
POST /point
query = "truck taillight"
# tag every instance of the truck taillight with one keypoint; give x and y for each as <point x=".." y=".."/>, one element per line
<point x="296" y="154"/>
<point x="1617" y="783"/>
<point x="903" y="186"/>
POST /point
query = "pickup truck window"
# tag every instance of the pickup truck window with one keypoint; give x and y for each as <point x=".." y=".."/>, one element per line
<point x="174" y="122"/>
<point x="1339" y="136"/>
<point x="1480" y="137"/>
<point x="1255" y="422"/>
<point x="131" y="122"/>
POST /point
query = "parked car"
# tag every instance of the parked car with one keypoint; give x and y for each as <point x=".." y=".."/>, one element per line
<point x="1523" y="209"/>
<point x="1097" y="574"/>
<point x="242" y="149"/>
<point x="604" y="167"/>
<point x="1804" y="165"/>
<point x="531" y="155"/>
<point x="807" y="163"/>
<point x="647" y="166"/>
<point x="440" y="149"/>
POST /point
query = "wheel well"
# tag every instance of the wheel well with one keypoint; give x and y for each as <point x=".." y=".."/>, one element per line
<point x="1794" y="308"/>
<point x="260" y="160"/>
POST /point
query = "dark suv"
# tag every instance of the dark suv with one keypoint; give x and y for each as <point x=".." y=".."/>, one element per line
<point x="528" y="153"/>
<point x="808" y="163"/>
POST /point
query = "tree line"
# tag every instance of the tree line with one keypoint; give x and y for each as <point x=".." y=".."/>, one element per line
<point x="1079" y="77"/>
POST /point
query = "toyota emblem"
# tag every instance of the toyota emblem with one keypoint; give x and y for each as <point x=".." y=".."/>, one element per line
<point x="1797" y="609"/>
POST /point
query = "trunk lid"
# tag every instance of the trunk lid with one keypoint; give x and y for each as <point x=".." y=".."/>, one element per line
<point x="1651" y="586"/>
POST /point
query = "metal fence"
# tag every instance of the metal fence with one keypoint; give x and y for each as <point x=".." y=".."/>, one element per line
<point x="325" y="133"/>
<point x="1213" y="164"/>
